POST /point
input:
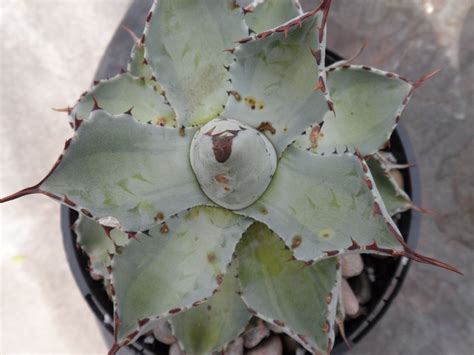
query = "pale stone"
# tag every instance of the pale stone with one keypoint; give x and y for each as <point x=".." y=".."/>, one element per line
<point x="162" y="332"/>
<point x="349" y="300"/>
<point x="255" y="335"/>
<point x="352" y="265"/>
<point x="271" y="346"/>
<point x="175" y="350"/>
<point x="236" y="347"/>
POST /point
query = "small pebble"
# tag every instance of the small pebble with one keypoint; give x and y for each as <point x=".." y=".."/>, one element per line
<point x="363" y="289"/>
<point x="352" y="265"/>
<point x="175" y="350"/>
<point x="349" y="300"/>
<point x="271" y="346"/>
<point x="236" y="347"/>
<point x="255" y="335"/>
<point x="162" y="332"/>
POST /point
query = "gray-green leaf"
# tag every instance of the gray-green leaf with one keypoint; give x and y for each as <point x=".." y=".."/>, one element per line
<point x="93" y="240"/>
<point x="299" y="299"/>
<point x="395" y="199"/>
<point x="211" y="325"/>
<point x="323" y="205"/>
<point x="184" y="45"/>
<point x="368" y="104"/>
<point x="274" y="78"/>
<point x="176" y="266"/>
<point x="122" y="93"/>
<point x="271" y="13"/>
<point x="117" y="167"/>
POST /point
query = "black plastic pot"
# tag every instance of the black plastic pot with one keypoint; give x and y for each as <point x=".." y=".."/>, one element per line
<point x="387" y="274"/>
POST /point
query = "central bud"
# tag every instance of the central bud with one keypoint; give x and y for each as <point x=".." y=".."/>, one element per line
<point x="234" y="163"/>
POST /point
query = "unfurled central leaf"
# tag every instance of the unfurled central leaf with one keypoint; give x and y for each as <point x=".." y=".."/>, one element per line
<point x="233" y="162"/>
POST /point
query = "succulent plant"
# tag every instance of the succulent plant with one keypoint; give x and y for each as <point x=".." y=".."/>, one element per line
<point x="222" y="175"/>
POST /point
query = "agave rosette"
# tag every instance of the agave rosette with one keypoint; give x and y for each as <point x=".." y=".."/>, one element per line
<point x="220" y="177"/>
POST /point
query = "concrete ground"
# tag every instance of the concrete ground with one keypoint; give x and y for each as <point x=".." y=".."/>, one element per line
<point x="49" y="50"/>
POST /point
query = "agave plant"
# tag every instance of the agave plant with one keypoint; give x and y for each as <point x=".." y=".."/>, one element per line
<point x="223" y="174"/>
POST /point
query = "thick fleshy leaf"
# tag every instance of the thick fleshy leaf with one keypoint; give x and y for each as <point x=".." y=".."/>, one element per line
<point x="269" y="14"/>
<point x="274" y="78"/>
<point x="123" y="93"/>
<point x="138" y="66"/>
<point x="299" y="299"/>
<point x="211" y="325"/>
<point x="136" y="174"/>
<point x="324" y="205"/>
<point x="184" y="44"/>
<point x="176" y="266"/>
<point x="94" y="241"/>
<point x="395" y="199"/>
<point x="368" y="104"/>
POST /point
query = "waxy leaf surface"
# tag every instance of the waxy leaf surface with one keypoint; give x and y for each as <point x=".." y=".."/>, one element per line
<point x="184" y="45"/>
<point x="300" y="299"/>
<point x="395" y="199"/>
<point x="177" y="265"/>
<point x="270" y="14"/>
<point x="324" y="205"/>
<point x="211" y="325"/>
<point x="93" y="240"/>
<point x="123" y="93"/>
<point x="368" y="104"/>
<point x="137" y="173"/>
<point x="274" y="79"/>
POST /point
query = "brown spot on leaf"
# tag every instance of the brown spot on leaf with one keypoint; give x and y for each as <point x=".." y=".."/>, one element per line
<point x="369" y="183"/>
<point x="164" y="228"/>
<point x="317" y="55"/>
<point x="211" y="257"/>
<point x="296" y="242"/>
<point x="221" y="178"/>
<point x="142" y="322"/>
<point x="86" y="212"/>
<point x="174" y="310"/>
<point x="252" y="311"/>
<point x="326" y="327"/>
<point x="303" y="338"/>
<point x="219" y="279"/>
<point x="182" y="131"/>
<point x="161" y="121"/>
<point x="266" y="126"/>
<point x="314" y="135"/>
<point x="159" y="216"/>
<point x="263" y="210"/>
<point x="279" y="323"/>
<point x="235" y="94"/>
<point x="328" y="298"/>
<point x="376" y="211"/>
